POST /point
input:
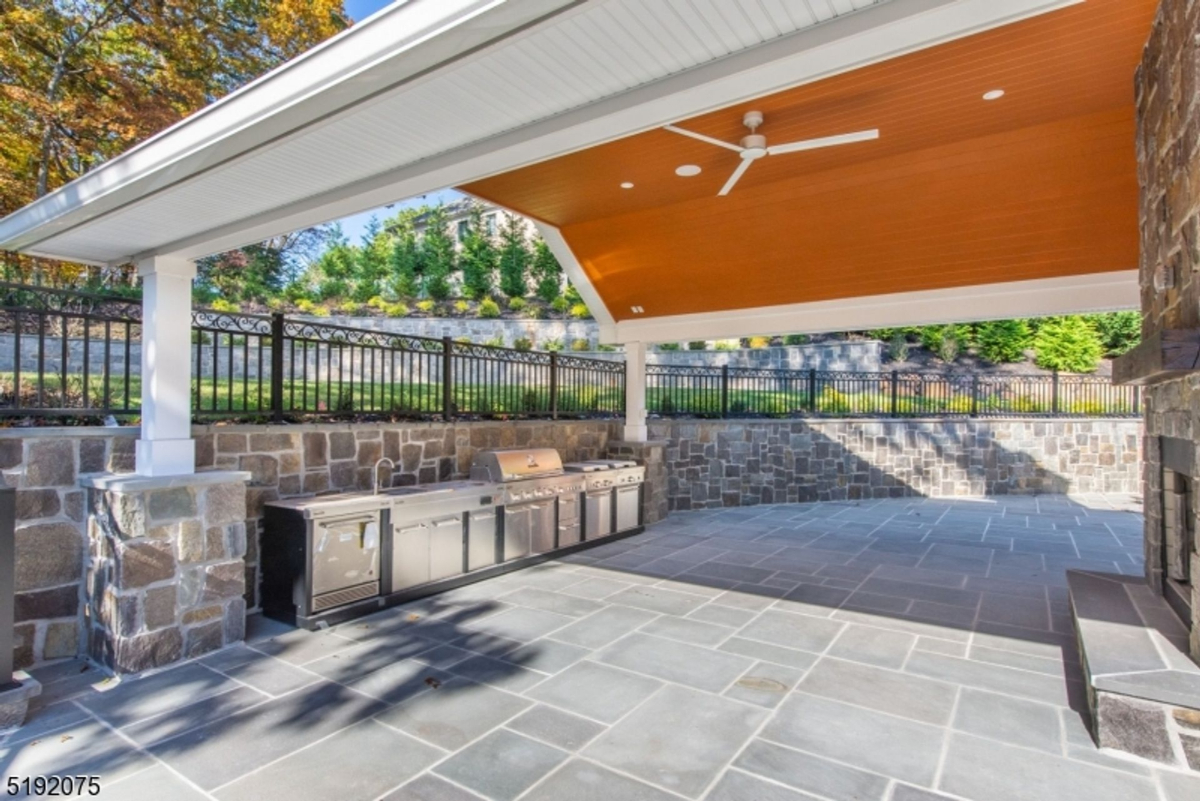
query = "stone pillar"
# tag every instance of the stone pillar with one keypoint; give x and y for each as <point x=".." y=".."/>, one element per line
<point x="652" y="454"/>
<point x="635" y="392"/>
<point x="166" y="571"/>
<point x="166" y="447"/>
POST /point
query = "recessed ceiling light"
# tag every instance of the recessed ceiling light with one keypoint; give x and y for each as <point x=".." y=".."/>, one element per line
<point x="636" y="309"/>
<point x="627" y="185"/>
<point x="687" y="170"/>
<point x="994" y="94"/>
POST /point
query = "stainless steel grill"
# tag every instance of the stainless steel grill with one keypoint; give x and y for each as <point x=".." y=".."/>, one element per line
<point x="612" y="495"/>
<point x="541" y="500"/>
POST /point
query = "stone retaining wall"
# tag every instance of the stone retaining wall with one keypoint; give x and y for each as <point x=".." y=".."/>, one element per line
<point x="741" y="463"/>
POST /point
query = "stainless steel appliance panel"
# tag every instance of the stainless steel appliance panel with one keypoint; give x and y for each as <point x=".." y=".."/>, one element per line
<point x="445" y="547"/>
<point x="345" y="553"/>
<point x="569" y="531"/>
<point x="542" y="526"/>
<point x="628" y="498"/>
<point x="597" y="514"/>
<point x="516" y="532"/>
<point x="481" y="536"/>
<point x="410" y="555"/>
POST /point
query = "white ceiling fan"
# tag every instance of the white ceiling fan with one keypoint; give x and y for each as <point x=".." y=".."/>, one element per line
<point x="754" y="146"/>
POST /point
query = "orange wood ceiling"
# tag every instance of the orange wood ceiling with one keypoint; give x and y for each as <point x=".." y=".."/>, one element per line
<point x="957" y="191"/>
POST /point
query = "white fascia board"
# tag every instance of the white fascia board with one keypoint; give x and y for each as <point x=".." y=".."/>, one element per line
<point x="388" y="49"/>
<point x="1036" y="298"/>
<point x="843" y="44"/>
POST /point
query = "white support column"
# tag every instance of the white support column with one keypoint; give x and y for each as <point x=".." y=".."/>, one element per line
<point x="166" y="447"/>
<point x="635" y="392"/>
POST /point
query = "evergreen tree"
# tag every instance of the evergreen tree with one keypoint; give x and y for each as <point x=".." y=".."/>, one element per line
<point x="1068" y="343"/>
<point x="372" y="264"/>
<point x="1003" y="341"/>
<point x="336" y="267"/>
<point x="437" y="255"/>
<point x="547" y="272"/>
<point x="1119" y="331"/>
<point x="514" y="257"/>
<point x="478" y="257"/>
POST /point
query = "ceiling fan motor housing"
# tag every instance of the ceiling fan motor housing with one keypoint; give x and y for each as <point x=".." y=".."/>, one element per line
<point x="754" y="146"/>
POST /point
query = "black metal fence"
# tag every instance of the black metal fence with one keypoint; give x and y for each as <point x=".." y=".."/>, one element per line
<point x="684" y="391"/>
<point x="64" y="353"/>
<point x="256" y="365"/>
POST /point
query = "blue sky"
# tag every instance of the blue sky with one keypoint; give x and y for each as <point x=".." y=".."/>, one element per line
<point x="354" y="225"/>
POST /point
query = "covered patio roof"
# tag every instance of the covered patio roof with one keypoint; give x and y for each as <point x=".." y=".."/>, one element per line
<point x="962" y="208"/>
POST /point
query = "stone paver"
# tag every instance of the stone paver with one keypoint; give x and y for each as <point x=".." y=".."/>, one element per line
<point x="903" y="650"/>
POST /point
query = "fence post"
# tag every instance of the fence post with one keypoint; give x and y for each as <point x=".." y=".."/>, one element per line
<point x="812" y="390"/>
<point x="553" y="385"/>
<point x="1054" y="394"/>
<point x="724" y="390"/>
<point x="1136" y="399"/>
<point x="975" y="395"/>
<point x="447" y="379"/>
<point x="276" y="366"/>
<point x="895" y="393"/>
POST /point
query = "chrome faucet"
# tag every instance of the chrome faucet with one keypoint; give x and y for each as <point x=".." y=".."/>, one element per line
<point x="375" y="473"/>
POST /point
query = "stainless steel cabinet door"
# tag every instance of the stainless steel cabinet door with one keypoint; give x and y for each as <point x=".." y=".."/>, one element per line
<point x="445" y="547"/>
<point x="541" y="521"/>
<point x="410" y="556"/>
<point x="481" y="539"/>
<point x="345" y="554"/>
<point x="597" y="514"/>
<point x="568" y="520"/>
<point x="516" y="532"/>
<point x="627" y="508"/>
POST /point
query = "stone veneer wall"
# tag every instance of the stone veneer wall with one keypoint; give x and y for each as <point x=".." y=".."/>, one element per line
<point x="296" y="460"/>
<point x="745" y="462"/>
<point x="165" y="574"/>
<point x="1168" y="154"/>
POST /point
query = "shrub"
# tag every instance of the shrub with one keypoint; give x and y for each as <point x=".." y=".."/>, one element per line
<point x="1119" y="331"/>
<point x="547" y="273"/>
<point x="376" y="302"/>
<point x="224" y="306"/>
<point x="1069" y="344"/>
<point x="796" y="339"/>
<point x="580" y="345"/>
<point x="607" y="348"/>
<point x="426" y="305"/>
<point x="495" y="342"/>
<point x="396" y="309"/>
<point x="516" y="304"/>
<point x="897" y="348"/>
<point x="560" y="304"/>
<point x="523" y="343"/>
<point x="320" y="311"/>
<point x="668" y="346"/>
<point x="949" y="347"/>
<point x="726" y="344"/>
<point x="489" y="309"/>
<point x="461" y="306"/>
<point x="760" y="342"/>
<point x="276" y="304"/>
<point x="348" y="307"/>
<point x="698" y="345"/>
<point x="1003" y="341"/>
<point x="831" y="401"/>
<point x="305" y="306"/>
<point x="553" y="345"/>
<point x="580" y="311"/>
<point x="534" y="312"/>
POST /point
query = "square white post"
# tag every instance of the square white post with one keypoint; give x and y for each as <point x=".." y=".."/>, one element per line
<point x="166" y="447"/>
<point x="635" y="392"/>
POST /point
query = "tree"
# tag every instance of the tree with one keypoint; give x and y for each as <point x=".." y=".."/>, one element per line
<point x="514" y="257"/>
<point x="83" y="80"/>
<point x="336" y="267"/>
<point x="547" y="272"/>
<point x="1119" y="331"/>
<point x="478" y="256"/>
<point x="437" y="257"/>
<point x="404" y="262"/>
<point x="258" y="272"/>
<point x="371" y="262"/>
<point x="1002" y="341"/>
<point x="1067" y="343"/>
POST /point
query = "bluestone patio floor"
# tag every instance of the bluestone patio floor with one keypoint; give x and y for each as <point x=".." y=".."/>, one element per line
<point x="902" y="650"/>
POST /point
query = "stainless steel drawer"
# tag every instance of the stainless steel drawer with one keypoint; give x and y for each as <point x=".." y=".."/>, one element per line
<point x="345" y="553"/>
<point x="597" y="514"/>
<point x="410" y="556"/>
<point x="445" y="547"/>
<point x="541" y="522"/>
<point x="481" y="539"/>
<point x="627" y="507"/>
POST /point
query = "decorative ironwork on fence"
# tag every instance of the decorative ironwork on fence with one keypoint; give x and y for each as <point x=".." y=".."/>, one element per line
<point x="67" y="353"/>
<point x="675" y="391"/>
<point x="256" y="365"/>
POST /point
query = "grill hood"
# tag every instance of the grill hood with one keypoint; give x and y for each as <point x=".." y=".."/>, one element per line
<point x="516" y="464"/>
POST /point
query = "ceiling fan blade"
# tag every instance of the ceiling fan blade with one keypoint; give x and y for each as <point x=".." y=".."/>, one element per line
<point x="703" y="138"/>
<point x="825" y="141"/>
<point x="733" y="179"/>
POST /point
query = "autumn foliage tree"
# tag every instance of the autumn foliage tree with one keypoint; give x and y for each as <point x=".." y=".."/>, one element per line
<point x="81" y="81"/>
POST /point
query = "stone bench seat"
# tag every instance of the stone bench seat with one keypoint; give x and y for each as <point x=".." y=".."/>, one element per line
<point x="1143" y="688"/>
